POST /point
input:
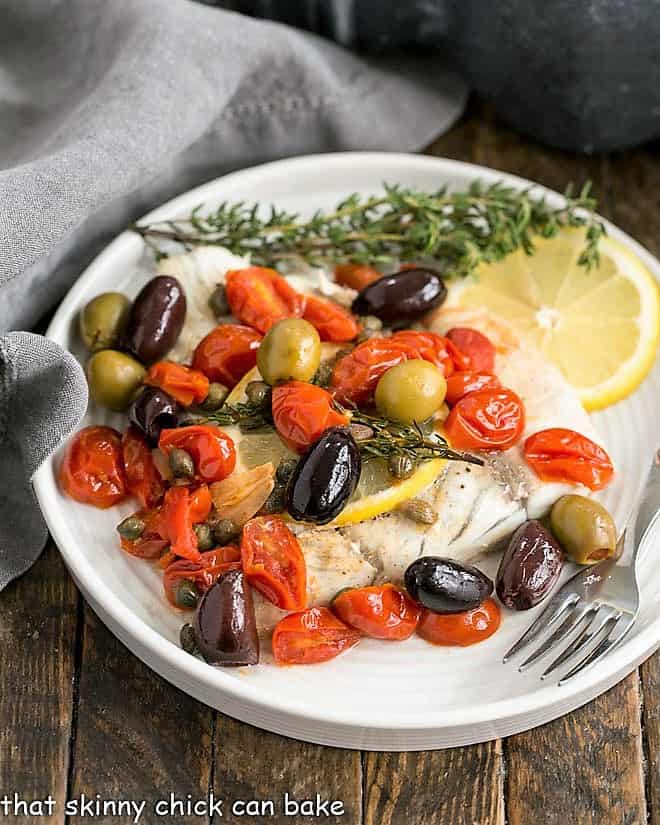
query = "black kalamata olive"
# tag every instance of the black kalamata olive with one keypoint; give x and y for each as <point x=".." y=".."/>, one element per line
<point x="225" y="624"/>
<point x="325" y="477"/>
<point x="446" y="586"/>
<point x="155" y="320"/>
<point x="403" y="296"/>
<point x="529" y="568"/>
<point x="154" y="410"/>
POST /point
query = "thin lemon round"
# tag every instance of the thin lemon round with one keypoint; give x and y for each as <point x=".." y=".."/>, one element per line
<point x="599" y="326"/>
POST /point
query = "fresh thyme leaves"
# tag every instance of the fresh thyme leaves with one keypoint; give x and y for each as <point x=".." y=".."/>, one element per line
<point x="459" y="229"/>
<point x="244" y="415"/>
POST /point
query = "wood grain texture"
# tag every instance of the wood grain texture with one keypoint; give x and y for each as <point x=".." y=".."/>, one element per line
<point x="458" y="786"/>
<point x="37" y="637"/>
<point x="137" y="737"/>
<point x="254" y="764"/>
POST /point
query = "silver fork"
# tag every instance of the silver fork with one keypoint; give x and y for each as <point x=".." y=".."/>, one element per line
<point x="598" y="606"/>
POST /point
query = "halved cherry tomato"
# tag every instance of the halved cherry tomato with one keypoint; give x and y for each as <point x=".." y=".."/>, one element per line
<point x="273" y="562"/>
<point x="142" y="478"/>
<point x="153" y="542"/>
<point x="227" y="353"/>
<point x="186" y="385"/>
<point x="212" y="450"/>
<point x="259" y="297"/>
<point x="459" y="384"/>
<point x="302" y="413"/>
<point x="478" y="348"/>
<point x="356" y="276"/>
<point x="92" y="471"/>
<point x="332" y="322"/>
<point x="462" y="629"/>
<point x="200" y="503"/>
<point x="431" y="347"/>
<point x="203" y="573"/>
<point x="315" y="635"/>
<point x="486" y="420"/>
<point x="381" y="612"/>
<point x="563" y="455"/>
<point x="178" y="523"/>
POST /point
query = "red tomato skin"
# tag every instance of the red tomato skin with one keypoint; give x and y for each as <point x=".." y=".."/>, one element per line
<point x="356" y="276"/>
<point x="227" y="353"/>
<point x="486" y="420"/>
<point x="476" y="346"/>
<point x="185" y="385"/>
<point x="563" y="455"/>
<point x="302" y="413"/>
<point x="273" y="562"/>
<point x="380" y="612"/>
<point x="212" y="450"/>
<point x="178" y="523"/>
<point x="332" y="322"/>
<point x="462" y="629"/>
<point x="259" y="297"/>
<point x="459" y="384"/>
<point x="142" y="478"/>
<point x="204" y="573"/>
<point x="200" y="503"/>
<point x="92" y="471"/>
<point x="312" y="636"/>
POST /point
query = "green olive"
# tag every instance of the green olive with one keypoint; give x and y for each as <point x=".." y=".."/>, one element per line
<point x="411" y="391"/>
<point x="290" y="351"/>
<point x="584" y="529"/>
<point x="113" y="378"/>
<point x="103" y="319"/>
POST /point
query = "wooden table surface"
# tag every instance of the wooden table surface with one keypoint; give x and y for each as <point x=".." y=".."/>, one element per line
<point x="80" y="714"/>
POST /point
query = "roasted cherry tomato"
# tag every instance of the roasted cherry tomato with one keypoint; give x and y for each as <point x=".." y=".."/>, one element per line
<point x="259" y="297"/>
<point x="201" y="503"/>
<point x="478" y="348"/>
<point x="563" y="455"/>
<point x="382" y="612"/>
<point x="332" y="322"/>
<point x="227" y="353"/>
<point x="187" y="386"/>
<point x="92" y="471"/>
<point x="273" y="562"/>
<point x="142" y="478"/>
<point x="178" y="523"/>
<point x="153" y="542"/>
<point x="315" y="635"/>
<point x="302" y="413"/>
<point x="486" y="420"/>
<point x="460" y="628"/>
<point x="431" y="347"/>
<point x="202" y="573"/>
<point x="356" y="276"/>
<point x="212" y="450"/>
<point x="459" y="384"/>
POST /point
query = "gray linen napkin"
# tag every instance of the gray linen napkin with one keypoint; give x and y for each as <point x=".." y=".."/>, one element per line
<point x="106" y="109"/>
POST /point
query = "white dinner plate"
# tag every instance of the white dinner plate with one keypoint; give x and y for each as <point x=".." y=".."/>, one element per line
<point x="387" y="696"/>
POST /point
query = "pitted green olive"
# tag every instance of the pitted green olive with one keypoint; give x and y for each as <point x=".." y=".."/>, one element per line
<point x="290" y="351"/>
<point x="584" y="529"/>
<point x="411" y="391"/>
<point x="103" y="319"/>
<point x="113" y="378"/>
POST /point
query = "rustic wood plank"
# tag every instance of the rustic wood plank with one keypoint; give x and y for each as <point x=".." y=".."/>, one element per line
<point x="251" y="764"/>
<point x="37" y="634"/>
<point x="137" y="737"/>
<point x="461" y="786"/>
<point x="650" y="676"/>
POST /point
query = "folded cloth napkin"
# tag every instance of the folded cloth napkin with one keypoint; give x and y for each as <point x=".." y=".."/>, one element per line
<point x="107" y="109"/>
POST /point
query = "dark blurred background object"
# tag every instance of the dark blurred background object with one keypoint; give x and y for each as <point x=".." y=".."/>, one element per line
<point x="582" y="75"/>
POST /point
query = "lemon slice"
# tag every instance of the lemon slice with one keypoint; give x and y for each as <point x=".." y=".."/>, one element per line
<point x="599" y="326"/>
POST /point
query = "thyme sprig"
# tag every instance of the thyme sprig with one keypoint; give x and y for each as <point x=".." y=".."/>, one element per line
<point x="245" y="415"/>
<point x="459" y="229"/>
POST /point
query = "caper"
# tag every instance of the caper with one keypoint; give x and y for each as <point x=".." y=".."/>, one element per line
<point x="103" y="319"/>
<point x="401" y="465"/>
<point x="285" y="469"/>
<point x="218" y="302"/>
<point x="224" y="529"/>
<point x="216" y="397"/>
<point x="189" y="419"/>
<point x="276" y="501"/>
<point x="411" y="391"/>
<point x="361" y="432"/>
<point x="131" y="528"/>
<point x="187" y="639"/>
<point x="113" y="378"/>
<point x="584" y="529"/>
<point x="186" y="593"/>
<point x="291" y="350"/>
<point x="258" y="393"/>
<point x="370" y="322"/>
<point x="181" y="463"/>
<point x="416" y="509"/>
<point x="204" y="537"/>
